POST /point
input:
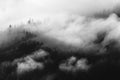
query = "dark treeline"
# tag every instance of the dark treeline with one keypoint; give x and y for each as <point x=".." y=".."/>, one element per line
<point x="105" y="65"/>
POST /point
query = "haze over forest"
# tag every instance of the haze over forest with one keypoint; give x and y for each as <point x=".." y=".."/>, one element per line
<point x="59" y="39"/>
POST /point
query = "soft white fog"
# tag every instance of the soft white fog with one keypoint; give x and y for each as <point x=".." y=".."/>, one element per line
<point x="15" y="11"/>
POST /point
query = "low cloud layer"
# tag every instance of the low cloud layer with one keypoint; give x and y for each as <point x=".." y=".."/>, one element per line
<point x="78" y="31"/>
<point x="73" y="32"/>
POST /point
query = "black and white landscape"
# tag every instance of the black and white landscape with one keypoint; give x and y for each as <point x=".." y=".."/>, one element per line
<point x="59" y="39"/>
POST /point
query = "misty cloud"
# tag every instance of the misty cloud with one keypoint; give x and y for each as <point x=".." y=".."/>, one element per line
<point x="58" y="39"/>
<point x="71" y="31"/>
<point x="15" y="11"/>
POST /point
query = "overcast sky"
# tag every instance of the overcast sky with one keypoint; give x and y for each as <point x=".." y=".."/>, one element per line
<point x="13" y="11"/>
